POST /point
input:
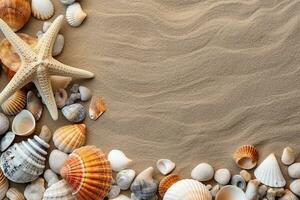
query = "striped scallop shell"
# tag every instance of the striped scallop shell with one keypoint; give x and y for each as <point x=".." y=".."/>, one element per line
<point x="166" y="183"/>
<point x="246" y="157"/>
<point x="3" y="185"/>
<point x="88" y="173"/>
<point x="70" y="137"/>
<point x="14" y="104"/>
<point x="14" y="194"/>
<point x="59" y="191"/>
<point x="187" y="189"/>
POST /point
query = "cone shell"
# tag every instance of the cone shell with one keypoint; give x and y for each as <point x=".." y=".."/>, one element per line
<point x="14" y="194"/>
<point x="166" y="183"/>
<point x="15" y="13"/>
<point x="3" y="185"/>
<point x="14" y="104"/>
<point x="88" y="173"/>
<point x="59" y="191"/>
<point x="97" y="107"/>
<point x="70" y="137"/>
<point x="246" y="157"/>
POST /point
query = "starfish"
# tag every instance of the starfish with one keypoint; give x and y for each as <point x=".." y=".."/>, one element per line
<point x="37" y="65"/>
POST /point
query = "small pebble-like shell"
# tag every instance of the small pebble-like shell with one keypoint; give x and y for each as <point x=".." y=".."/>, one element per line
<point x="42" y="9"/>
<point x="288" y="195"/>
<point x="252" y="189"/>
<point x="75" y="15"/>
<point x="222" y="176"/>
<point x="60" y="82"/>
<point x="67" y="2"/>
<point x="70" y="137"/>
<point x="46" y="26"/>
<point x="165" y="166"/>
<point x="14" y="104"/>
<point x="214" y="191"/>
<point x="7" y="140"/>
<point x="124" y="178"/>
<point x="230" y="192"/>
<point x="238" y="181"/>
<point x="35" y="190"/>
<point x="59" y="191"/>
<point x="14" y="194"/>
<point x="34" y="105"/>
<point x="4" y="124"/>
<point x="246" y="157"/>
<point x="203" y="172"/>
<point x="3" y="185"/>
<point x="56" y="160"/>
<point x="61" y="97"/>
<point x="50" y="177"/>
<point x="246" y="175"/>
<point x="74" y="113"/>
<point x="295" y="187"/>
<point x="166" y="183"/>
<point x="114" y="191"/>
<point x="262" y="191"/>
<point x="118" y="160"/>
<point x="85" y="93"/>
<point x="288" y="156"/>
<point x="24" y="123"/>
<point x="121" y="197"/>
<point x="294" y="170"/>
<point x="97" y="107"/>
<point x="58" y="45"/>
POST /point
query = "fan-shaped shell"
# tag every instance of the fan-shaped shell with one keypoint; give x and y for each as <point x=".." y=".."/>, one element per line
<point x="187" y="189"/>
<point x="15" y="103"/>
<point x="14" y="194"/>
<point x="59" y="191"/>
<point x="88" y="173"/>
<point x="3" y="185"/>
<point x="246" y="157"/>
<point x="166" y="183"/>
<point x="70" y="137"/>
<point x="42" y="9"/>
<point x="15" y="13"/>
<point x="75" y="15"/>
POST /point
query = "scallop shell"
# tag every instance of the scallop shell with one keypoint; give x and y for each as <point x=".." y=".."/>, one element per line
<point x="165" y="166"/>
<point x="246" y="157"/>
<point x="88" y="173"/>
<point x="14" y="194"/>
<point x="15" y="103"/>
<point x="75" y="15"/>
<point x="4" y="123"/>
<point x="7" y="140"/>
<point x="97" y="107"/>
<point x="230" y="192"/>
<point x="15" y="13"/>
<point x="3" y="185"/>
<point x="288" y="156"/>
<point x="23" y="124"/>
<point x="34" y="105"/>
<point x="269" y="173"/>
<point x="74" y="113"/>
<point x="188" y="189"/>
<point x="118" y="160"/>
<point x="59" y="191"/>
<point x="288" y="195"/>
<point x="42" y="9"/>
<point x="166" y="183"/>
<point x="70" y="137"/>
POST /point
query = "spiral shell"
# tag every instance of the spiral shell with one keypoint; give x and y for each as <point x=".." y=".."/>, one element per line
<point x="246" y="157"/>
<point x="3" y="185"/>
<point x="166" y="183"/>
<point x="14" y="104"/>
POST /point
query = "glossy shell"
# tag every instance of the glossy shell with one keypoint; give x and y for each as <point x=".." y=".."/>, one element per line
<point x="3" y="185"/>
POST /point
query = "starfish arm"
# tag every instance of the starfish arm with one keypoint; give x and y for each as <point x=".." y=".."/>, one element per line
<point x="43" y="85"/>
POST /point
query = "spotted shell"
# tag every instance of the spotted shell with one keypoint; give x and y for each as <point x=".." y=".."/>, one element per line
<point x="14" y="104"/>
<point x="166" y="183"/>
<point x="70" y="137"/>
<point x="246" y="157"/>
<point x="88" y="173"/>
<point x="3" y="185"/>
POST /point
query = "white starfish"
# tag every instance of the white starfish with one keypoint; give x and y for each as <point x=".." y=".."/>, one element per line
<point x="38" y="65"/>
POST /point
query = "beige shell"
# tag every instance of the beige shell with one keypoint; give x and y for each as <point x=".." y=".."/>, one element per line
<point x="24" y="123"/>
<point x="14" y="194"/>
<point x="14" y="104"/>
<point x="246" y="157"/>
<point x="59" y="191"/>
<point x="3" y="185"/>
<point x="42" y="9"/>
<point x="166" y="183"/>
<point x="97" y="107"/>
<point x="230" y="192"/>
<point x="75" y="15"/>
<point x="70" y="137"/>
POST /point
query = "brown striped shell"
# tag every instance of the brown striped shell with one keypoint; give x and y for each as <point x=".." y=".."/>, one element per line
<point x="14" y="194"/>
<point x="15" y="103"/>
<point x="246" y="157"/>
<point x="3" y="185"/>
<point x="166" y="183"/>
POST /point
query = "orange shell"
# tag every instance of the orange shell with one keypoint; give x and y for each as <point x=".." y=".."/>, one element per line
<point x="3" y="185"/>
<point x="246" y="157"/>
<point x="97" y="107"/>
<point x="15" y="103"/>
<point x="166" y="183"/>
<point x="88" y="173"/>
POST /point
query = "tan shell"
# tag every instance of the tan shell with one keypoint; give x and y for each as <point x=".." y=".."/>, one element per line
<point x="14" y="194"/>
<point x="15" y="13"/>
<point x="97" y="107"/>
<point x="166" y="183"/>
<point x="14" y="104"/>
<point x="246" y="157"/>
<point x="3" y="185"/>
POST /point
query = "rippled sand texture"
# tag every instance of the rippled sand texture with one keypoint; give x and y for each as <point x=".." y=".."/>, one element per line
<point x="189" y="80"/>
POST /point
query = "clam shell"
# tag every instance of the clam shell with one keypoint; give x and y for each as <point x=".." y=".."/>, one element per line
<point x="294" y="170"/>
<point x="60" y="82"/>
<point x="34" y="105"/>
<point x="7" y="140"/>
<point x="288" y="195"/>
<point x="230" y="192"/>
<point x="246" y="157"/>
<point x="15" y="103"/>
<point x="203" y="172"/>
<point x="166" y="183"/>
<point x="42" y="9"/>
<point x="70" y="137"/>
<point x="165" y="166"/>
<point x="59" y="191"/>
<point x="4" y="124"/>
<point x="269" y="173"/>
<point x="74" y="113"/>
<point x="14" y="194"/>
<point x="3" y="185"/>
<point x="118" y="160"/>
<point x="15" y="13"/>
<point x="75" y="15"/>
<point x="188" y="189"/>
<point x="24" y="123"/>
<point x="88" y="173"/>
<point x="288" y="156"/>
<point x="97" y="107"/>
<point x="295" y="187"/>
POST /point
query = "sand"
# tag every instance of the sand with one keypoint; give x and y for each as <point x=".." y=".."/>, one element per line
<point x="188" y="80"/>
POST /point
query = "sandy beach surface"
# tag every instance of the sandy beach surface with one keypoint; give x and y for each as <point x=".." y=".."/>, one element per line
<point x="188" y="80"/>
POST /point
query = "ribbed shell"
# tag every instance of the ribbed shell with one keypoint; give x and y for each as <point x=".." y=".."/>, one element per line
<point x="14" y="194"/>
<point x="288" y="196"/>
<point x="246" y="157"/>
<point x="166" y="183"/>
<point x="88" y="173"/>
<point x="70" y="137"/>
<point x="14" y="104"/>
<point x="187" y="189"/>
<point x="96" y="108"/>
<point x="59" y="191"/>
<point x="230" y="192"/>
<point x="3" y="185"/>
<point x="42" y="9"/>
<point x="75" y="15"/>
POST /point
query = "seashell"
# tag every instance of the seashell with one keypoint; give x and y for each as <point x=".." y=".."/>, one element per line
<point x="115" y="190"/>
<point x="46" y="26"/>
<point x="88" y="173"/>
<point x="14" y="104"/>
<point x="74" y="113"/>
<point x="166" y="183"/>
<point x="288" y="195"/>
<point x="75" y="15"/>
<point x="85" y="93"/>
<point x="262" y="191"/>
<point x="15" y="13"/>
<point x="295" y="187"/>
<point x="165" y="166"/>
<point x="187" y="189"/>
<point x="14" y="194"/>
<point x="73" y="98"/>
<point x="294" y="170"/>
<point x="25" y="161"/>
<point x="279" y="192"/>
<point x="3" y="185"/>
<point x="269" y="173"/>
<point x="35" y="190"/>
<point x="61" y="97"/>
<point x="246" y="175"/>
<point x="239" y="182"/>
<point x="58" y="45"/>
<point x="144" y="186"/>
<point x="60" y="82"/>
<point x="246" y="157"/>
<point x="203" y="172"/>
<point x="214" y="191"/>
<point x="56" y="160"/>
<point x="7" y="140"/>
<point x="222" y="176"/>
<point x="4" y="124"/>
<point x="42" y="9"/>
<point x="59" y="191"/>
<point x="133" y="197"/>
<point x="24" y="123"/>
<point x="67" y="2"/>
<point x="271" y="194"/>
<point x="121" y="197"/>
<point x="75" y="88"/>
<point x="119" y="160"/>
<point x="252" y="190"/>
<point x="34" y="105"/>
<point x="288" y="156"/>
<point x="124" y="178"/>
<point x="97" y="107"/>
<point x="70" y="137"/>
<point x="230" y="192"/>
<point x="50" y="177"/>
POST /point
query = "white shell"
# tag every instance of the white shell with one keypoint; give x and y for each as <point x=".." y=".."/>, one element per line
<point x="295" y="187"/>
<point x="24" y="123"/>
<point x="115" y="190"/>
<point x="4" y="124"/>
<point x="203" y="172"/>
<point x="187" y="189"/>
<point x="58" y="45"/>
<point x="288" y="156"/>
<point x="42" y="9"/>
<point x="56" y="160"/>
<point x="121" y="197"/>
<point x="35" y="190"/>
<point x="294" y="170"/>
<point x="59" y="191"/>
<point x="124" y="178"/>
<point x="85" y="93"/>
<point x="165" y="166"/>
<point x="288" y="196"/>
<point x="222" y="176"/>
<point x="252" y="189"/>
<point x="269" y="173"/>
<point x="75" y="15"/>
<point x="7" y="140"/>
<point x="118" y="160"/>
<point x="50" y="177"/>
<point x="46" y="26"/>
<point x="230" y="192"/>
